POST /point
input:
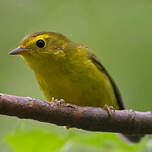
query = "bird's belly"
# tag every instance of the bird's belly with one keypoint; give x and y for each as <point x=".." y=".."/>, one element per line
<point x="80" y="91"/>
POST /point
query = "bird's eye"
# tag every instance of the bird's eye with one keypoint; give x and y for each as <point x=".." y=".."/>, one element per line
<point x="40" y="43"/>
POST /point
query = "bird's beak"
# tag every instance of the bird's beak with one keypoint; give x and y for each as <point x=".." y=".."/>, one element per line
<point x="18" y="51"/>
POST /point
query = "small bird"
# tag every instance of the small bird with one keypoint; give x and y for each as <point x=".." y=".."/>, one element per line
<point x="69" y="71"/>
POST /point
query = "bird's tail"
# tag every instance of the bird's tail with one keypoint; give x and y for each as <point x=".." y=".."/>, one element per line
<point x="131" y="139"/>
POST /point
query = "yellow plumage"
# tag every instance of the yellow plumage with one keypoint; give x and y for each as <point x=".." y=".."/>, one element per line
<point x="69" y="71"/>
<point x="66" y="70"/>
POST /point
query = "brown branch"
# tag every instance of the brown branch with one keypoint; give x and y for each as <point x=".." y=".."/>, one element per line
<point x="87" y="118"/>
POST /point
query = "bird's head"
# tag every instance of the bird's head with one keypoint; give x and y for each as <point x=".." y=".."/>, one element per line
<point x="40" y="43"/>
<point x="43" y="48"/>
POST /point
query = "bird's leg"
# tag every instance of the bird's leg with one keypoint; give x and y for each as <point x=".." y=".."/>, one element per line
<point x="108" y="109"/>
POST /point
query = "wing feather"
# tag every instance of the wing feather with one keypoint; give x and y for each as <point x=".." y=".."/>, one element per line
<point x="115" y="88"/>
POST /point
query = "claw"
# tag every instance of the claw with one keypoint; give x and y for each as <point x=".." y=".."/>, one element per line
<point x="108" y="109"/>
<point x="61" y="101"/>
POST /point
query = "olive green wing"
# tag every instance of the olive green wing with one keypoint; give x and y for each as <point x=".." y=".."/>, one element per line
<point x="116" y="90"/>
<point x="127" y="138"/>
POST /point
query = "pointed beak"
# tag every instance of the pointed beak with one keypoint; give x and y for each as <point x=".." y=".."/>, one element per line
<point x="18" y="51"/>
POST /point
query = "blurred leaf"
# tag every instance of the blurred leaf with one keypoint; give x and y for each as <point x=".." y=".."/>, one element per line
<point x="35" y="141"/>
<point x="107" y="142"/>
<point x="49" y="141"/>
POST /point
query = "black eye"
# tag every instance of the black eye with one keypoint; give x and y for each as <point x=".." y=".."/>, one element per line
<point x="40" y="43"/>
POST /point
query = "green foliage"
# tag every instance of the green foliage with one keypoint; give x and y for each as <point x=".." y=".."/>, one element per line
<point x="107" y="142"/>
<point x="35" y="140"/>
<point x="53" y="141"/>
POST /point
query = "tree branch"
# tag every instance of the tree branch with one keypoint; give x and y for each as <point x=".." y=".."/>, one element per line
<point x="87" y="118"/>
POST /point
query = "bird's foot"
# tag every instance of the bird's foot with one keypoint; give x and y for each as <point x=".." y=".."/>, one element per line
<point x="61" y="101"/>
<point x="108" y="109"/>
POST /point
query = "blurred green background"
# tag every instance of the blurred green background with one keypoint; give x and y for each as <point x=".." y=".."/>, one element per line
<point x="118" y="32"/>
